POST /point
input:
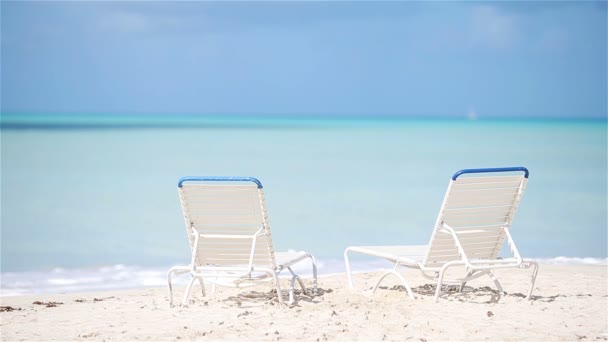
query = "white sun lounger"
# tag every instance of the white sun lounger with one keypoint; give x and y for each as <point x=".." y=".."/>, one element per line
<point x="229" y="234"/>
<point x="473" y="222"/>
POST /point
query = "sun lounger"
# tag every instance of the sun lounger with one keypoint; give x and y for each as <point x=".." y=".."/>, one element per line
<point x="230" y="238"/>
<point x="473" y="223"/>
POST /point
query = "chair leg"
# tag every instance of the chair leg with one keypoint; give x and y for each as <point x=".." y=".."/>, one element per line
<point x="202" y="283"/>
<point x="440" y="277"/>
<point x="533" y="278"/>
<point x="438" y="289"/>
<point x="394" y="272"/>
<point x="301" y="284"/>
<point x="348" y="273"/>
<point x="170" y="288"/>
<point x="278" y="286"/>
<point x="176" y="270"/>
<point x="187" y="293"/>
<point x="292" y="288"/>
<point x="294" y="277"/>
<point x="463" y="283"/>
<point x="496" y="282"/>
<point x="314" y="275"/>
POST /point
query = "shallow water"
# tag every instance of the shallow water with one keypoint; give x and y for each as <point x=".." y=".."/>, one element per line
<point x="94" y="196"/>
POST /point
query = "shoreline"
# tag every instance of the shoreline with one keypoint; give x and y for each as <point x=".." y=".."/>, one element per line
<point x="568" y="304"/>
<point x="127" y="277"/>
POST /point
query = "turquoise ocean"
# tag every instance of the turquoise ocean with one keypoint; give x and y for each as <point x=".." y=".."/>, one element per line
<point x="89" y="202"/>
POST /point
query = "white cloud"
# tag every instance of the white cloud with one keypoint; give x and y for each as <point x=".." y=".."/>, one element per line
<point x="491" y="28"/>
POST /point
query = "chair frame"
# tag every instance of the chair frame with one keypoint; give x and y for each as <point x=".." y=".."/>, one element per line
<point x="250" y="275"/>
<point x="475" y="268"/>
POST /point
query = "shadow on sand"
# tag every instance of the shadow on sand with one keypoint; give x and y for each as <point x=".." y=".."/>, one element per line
<point x="474" y="294"/>
<point x="270" y="297"/>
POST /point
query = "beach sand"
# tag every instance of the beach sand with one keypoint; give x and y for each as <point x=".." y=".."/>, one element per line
<point x="570" y="303"/>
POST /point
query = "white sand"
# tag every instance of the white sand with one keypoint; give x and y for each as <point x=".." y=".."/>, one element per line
<point x="570" y="303"/>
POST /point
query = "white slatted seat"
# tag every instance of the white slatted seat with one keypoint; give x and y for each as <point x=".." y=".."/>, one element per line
<point x="230" y="238"/>
<point x="472" y="225"/>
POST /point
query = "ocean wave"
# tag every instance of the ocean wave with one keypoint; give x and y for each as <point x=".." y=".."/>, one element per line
<point x="120" y="277"/>
<point x="63" y="280"/>
<point x="562" y="260"/>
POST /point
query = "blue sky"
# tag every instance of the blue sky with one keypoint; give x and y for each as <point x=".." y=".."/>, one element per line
<point x="497" y="59"/>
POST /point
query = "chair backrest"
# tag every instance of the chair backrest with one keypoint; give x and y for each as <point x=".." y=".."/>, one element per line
<point x="478" y="204"/>
<point x="225" y="210"/>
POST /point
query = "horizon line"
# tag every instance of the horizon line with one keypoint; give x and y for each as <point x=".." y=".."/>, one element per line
<point x="330" y="116"/>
